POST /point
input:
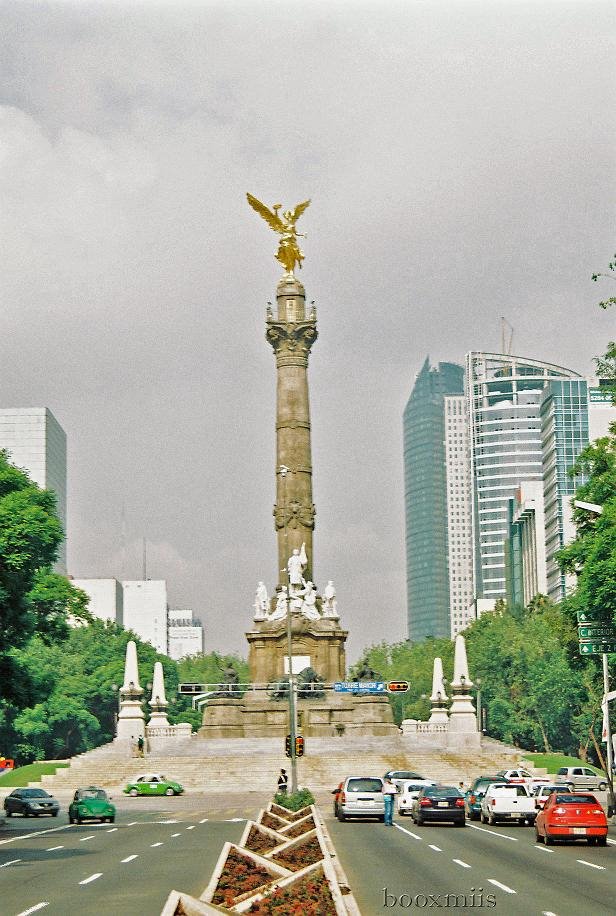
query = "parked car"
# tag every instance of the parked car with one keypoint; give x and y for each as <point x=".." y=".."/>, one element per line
<point x="507" y="802"/>
<point x="571" y="816"/>
<point x="542" y="793"/>
<point x="408" y="792"/>
<point x="436" y="804"/>
<point x="361" y="796"/>
<point x="153" y="784"/>
<point x="91" y="803"/>
<point x="398" y="776"/>
<point x="31" y="803"/>
<point x="522" y="776"/>
<point x="581" y="778"/>
<point x="473" y="796"/>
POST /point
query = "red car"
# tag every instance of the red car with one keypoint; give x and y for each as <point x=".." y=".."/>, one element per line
<point x="571" y="816"/>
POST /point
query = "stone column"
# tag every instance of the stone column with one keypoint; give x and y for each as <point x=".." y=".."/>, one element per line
<point x="291" y="335"/>
<point x="131" y="719"/>
<point x="462" y="716"/>
<point x="158" y="701"/>
<point x="438" y="697"/>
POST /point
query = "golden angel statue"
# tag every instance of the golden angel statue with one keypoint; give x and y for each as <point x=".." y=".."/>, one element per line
<point x="289" y="253"/>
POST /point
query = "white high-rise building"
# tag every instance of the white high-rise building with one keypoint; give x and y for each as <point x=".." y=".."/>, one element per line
<point x="106" y="598"/>
<point x="145" y="610"/>
<point x="185" y="635"/>
<point x="504" y="402"/>
<point x="36" y="443"/>
<point x="459" y="514"/>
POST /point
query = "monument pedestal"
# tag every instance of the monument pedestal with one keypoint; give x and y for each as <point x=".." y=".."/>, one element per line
<point x="317" y="644"/>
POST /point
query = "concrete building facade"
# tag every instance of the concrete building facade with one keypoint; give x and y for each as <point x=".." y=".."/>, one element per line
<point x="145" y="610"/>
<point x="106" y="598"/>
<point x="459" y="514"/>
<point x="185" y="634"/>
<point x="36" y="442"/>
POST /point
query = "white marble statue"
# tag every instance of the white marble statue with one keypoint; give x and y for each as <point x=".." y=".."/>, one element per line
<point x="330" y="605"/>
<point x="280" y="610"/>
<point x="309" y="604"/>
<point x="295" y="567"/>
<point x="261" y="602"/>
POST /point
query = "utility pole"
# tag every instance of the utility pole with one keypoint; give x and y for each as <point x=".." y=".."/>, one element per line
<point x="608" y="737"/>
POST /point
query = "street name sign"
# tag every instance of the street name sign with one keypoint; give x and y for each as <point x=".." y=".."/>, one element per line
<point x="597" y="647"/>
<point x="360" y="687"/>
<point x="606" y="631"/>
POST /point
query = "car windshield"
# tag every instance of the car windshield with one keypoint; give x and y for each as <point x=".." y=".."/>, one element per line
<point x="413" y="787"/>
<point x="34" y="793"/>
<point x="365" y="784"/>
<point x="442" y="791"/>
<point x="92" y="793"/>
<point x="404" y="774"/>
<point x="576" y="800"/>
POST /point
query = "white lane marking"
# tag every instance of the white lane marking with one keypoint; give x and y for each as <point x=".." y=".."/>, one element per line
<point x="542" y="848"/>
<point x="152" y="845"/>
<point x="460" y="862"/>
<point x="191" y="828"/>
<point x="132" y="823"/>
<point x="611" y="842"/>
<point x="435" y="848"/>
<point x="503" y="887"/>
<point x="12" y="862"/>
<point x="591" y="864"/>
<point x="206" y="819"/>
<point x="165" y="822"/>
<point x="234" y="820"/>
<point x="404" y="830"/>
<point x="84" y="838"/>
<point x="97" y="874"/>
<point x="503" y="836"/>
<point x="129" y="859"/>
<point x="113" y="830"/>
<point x="548" y="913"/>
<point x="53" y="848"/>
<point x="33" y="909"/>
<point x="26" y="836"/>
<point x="176" y="834"/>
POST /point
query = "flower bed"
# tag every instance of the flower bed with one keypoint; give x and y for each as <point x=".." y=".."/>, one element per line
<point x="260" y="841"/>
<point x="240" y="875"/>
<point x="273" y="821"/>
<point x="309" y="896"/>
<point x="299" y="829"/>
<point x="287" y="813"/>
<point x="300" y="855"/>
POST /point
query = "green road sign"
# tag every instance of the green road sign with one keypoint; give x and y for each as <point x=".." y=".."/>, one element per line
<point x="597" y="631"/>
<point x="597" y="648"/>
<point x="592" y="620"/>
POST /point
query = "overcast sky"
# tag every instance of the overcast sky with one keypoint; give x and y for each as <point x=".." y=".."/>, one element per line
<point x="460" y="161"/>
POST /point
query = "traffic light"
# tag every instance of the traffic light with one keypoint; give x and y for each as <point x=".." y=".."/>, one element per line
<point x="396" y="686"/>
<point x="299" y="745"/>
<point x="287" y="745"/>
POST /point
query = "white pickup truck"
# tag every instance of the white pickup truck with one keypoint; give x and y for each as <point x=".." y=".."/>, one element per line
<point x="506" y="802"/>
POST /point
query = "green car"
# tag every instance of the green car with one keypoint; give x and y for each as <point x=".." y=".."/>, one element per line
<point x="153" y="784"/>
<point x="91" y="804"/>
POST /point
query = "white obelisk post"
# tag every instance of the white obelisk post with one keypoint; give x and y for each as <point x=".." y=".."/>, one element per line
<point x="131" y="723"/>
<point x="438" y="697"/>
<point x="462" y="716"/>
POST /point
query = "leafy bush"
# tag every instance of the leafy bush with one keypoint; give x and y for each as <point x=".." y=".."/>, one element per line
<point x="300" y="799"/>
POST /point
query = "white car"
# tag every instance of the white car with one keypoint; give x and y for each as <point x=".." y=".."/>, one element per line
<point x="542" y="793"/>
<point x="507" y="802"/>
<point x="408" y="791"/>
<point x="522" y="776"/>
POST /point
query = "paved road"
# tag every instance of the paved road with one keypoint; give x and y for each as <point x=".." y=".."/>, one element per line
<point x="124" y="869"/>
<point x="383" y="863"/>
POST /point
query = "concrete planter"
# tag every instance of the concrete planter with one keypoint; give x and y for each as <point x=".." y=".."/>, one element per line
<point x="274" y="870"/>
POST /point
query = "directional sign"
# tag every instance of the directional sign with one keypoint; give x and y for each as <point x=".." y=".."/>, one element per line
<point x="597" y="648"/>
<point x="592" y="620"/>
<point x="359" y="687"/>
<point x="597" y="632"/>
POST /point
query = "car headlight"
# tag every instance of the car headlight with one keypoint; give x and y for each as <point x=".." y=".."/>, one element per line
<point x="33" y="805"/>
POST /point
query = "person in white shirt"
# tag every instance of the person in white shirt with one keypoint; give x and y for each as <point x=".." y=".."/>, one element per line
<point x="389" y="790"/>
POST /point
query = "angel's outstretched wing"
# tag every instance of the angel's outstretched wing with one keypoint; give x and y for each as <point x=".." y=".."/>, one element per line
<point x="299" y="209"/>
<point x="268" y="215"/>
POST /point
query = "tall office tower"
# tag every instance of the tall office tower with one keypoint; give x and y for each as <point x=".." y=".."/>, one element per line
<point x="459" y="514"/>
<point x="425" y="493"/>
<point x="106" y="598"/>
<point x="185" y="635"/>
<point x="36" y="442"/>
<point x="145" y="610"/>
<point x="504" y="401"/>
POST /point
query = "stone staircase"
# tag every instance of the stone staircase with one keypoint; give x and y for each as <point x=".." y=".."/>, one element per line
<point x="217" y="765"/>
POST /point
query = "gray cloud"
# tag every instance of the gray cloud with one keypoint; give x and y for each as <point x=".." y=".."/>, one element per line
<point x="460" y="161"/>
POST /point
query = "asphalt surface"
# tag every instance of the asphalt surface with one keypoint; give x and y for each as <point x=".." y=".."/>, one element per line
<point x="123" y="869"/>
<point x="406" y="868"/>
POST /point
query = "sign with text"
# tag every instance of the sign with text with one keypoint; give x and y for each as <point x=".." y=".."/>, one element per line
<point x="597" y="631"/>
<point x="597" y="648"/>
<point x="359" y="687"/>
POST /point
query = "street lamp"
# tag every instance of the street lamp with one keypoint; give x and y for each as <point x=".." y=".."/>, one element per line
<point x="284" y="470"/>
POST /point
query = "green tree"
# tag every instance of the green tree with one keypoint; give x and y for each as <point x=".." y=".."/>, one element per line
<point x="610" y="276"/>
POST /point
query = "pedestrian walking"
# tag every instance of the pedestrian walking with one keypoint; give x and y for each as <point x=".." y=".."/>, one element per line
<point x="389" y="790"/>
<point x="283" y="782"/>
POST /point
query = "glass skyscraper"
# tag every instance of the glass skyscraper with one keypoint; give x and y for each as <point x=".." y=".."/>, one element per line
<point x="426" y="498"/>
<point x="504" y="395"/>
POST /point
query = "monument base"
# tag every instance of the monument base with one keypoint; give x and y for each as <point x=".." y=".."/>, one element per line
<point x="323" y="717"/>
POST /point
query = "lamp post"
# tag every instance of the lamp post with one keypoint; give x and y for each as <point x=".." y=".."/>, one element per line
<point x="479" y="720"/>
<point x="284" y="470"/>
